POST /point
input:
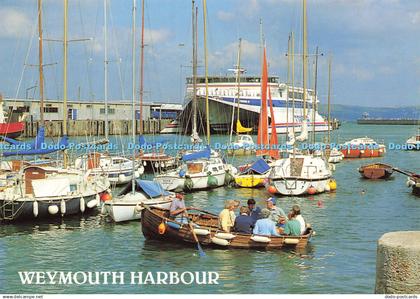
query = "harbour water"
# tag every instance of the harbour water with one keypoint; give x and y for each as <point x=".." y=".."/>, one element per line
<point x="341" y="258"/>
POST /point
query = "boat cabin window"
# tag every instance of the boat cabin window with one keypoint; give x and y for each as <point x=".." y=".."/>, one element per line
<point x="195" y="167"/>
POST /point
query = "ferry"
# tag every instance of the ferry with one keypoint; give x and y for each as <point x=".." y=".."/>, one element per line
<point x="222" y="94"/>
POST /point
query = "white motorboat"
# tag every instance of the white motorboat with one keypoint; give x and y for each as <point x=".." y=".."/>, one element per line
<point x="42" y="192"/>
<point x="413" y="143"/>
<point x="243" y="145"/>
<point x="118" y="169"/>
<point x="127" y="205"/>
<point x="201" y="170"/>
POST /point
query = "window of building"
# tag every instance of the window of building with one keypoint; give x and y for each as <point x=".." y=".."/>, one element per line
<point x="51" y="109"/>
<point x="110" y="110"/>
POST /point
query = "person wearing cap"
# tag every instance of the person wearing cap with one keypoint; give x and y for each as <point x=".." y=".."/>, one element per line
<point x="227" y="216"/>
<point x="275" y="212"/>
<point x="265" y="226"/>
<point x="254" y="212"/>
<point x="244" y="223"/>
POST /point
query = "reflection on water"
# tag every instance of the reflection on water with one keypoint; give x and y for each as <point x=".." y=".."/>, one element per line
<point x="339" y="259"/>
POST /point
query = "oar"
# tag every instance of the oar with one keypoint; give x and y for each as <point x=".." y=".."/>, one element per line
<point x="201" y="252"/>
<point x="407" y="173"/>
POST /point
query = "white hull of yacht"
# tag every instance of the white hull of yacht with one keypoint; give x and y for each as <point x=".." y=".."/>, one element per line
<point x="129" y="207"/>
<point x="296" y="186"/>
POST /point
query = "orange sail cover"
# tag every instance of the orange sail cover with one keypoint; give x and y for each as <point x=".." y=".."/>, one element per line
<point x="265" y="146"/>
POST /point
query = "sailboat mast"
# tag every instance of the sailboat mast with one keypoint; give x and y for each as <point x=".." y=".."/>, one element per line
<point x="194" y="73"/>
<point x="314" y="104"/>
<point x="106" y="68"/>
<point x="133" y="91"/>
<point x="41" y="68"/>
<point x="141" y="67"/>
<point x="329" y="99"/>
<point x="206" y="71"/>
<point x="304" y="58"/>
<point x="238" y="78"/>
<point x="65" y="114"/>
<point x="292" y="44"/>
<point x="287" y="87"/>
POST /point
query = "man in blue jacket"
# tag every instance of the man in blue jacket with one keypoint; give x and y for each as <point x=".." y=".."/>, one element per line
<point x="244" y="223"/>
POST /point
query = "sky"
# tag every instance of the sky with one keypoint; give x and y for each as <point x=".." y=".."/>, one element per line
<point x="374" y="46"/>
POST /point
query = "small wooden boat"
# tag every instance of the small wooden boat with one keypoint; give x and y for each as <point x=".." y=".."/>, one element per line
<point x="156" y="225"/>
<point x="376" y="171"/>
<point x="414" y="182"/>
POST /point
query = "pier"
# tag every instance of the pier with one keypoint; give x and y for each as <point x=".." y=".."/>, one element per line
<point x="54" y="128"/>
<point x="398" y="263"/>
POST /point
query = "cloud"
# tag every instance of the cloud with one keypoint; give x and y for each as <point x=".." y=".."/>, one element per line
<point x="156" y="36"/>
<point x="225" y="16"/>
<point x="14" y="23"/>
<point x="415" y="17"/>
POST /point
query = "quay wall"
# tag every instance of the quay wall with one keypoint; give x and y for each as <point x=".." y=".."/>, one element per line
<point x="388" y="121"/>
<point x="398" y="263"/>
<point x="54" y="128"/>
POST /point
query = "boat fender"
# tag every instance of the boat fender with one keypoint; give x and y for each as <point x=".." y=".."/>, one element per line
<point x="63" y="207"/>
<point x="136" y="174"/>
<point x="333" y="185"/>
<point x="291" y="241"/>
<point x="261" y="239"/>
<point x="311" y="190"/>
<point x="161" y="228"/>
<point x="121" y="178"/>
<point x="327" y="188"/>
<point x="410" y="183"/>
<point x="53" y="209"/>
<point x="103" y="210"/>
<point x="188" y="184"/>
<point x="174" y="225"/>
<point x="271" y="189"/>
<point x="144" y="163"/>
<point x="320" y="189"/>
<point x="92" y="203"/>
<point x="138" y="208"/>
<point x="82" y="204"/>
<point x="225" y="236"/>
<point x="212" y="181"/>
<point x="35" y="208"/>
<point x="162" y="165"/>
<point x="221" y="242"/>
<point x="156" y="165"/>
<point x="201" y="231"/>
<point x="228" y="178"/>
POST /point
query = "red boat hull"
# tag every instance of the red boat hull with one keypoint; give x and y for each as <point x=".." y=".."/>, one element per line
<point x="12" y="130"/>
<point x="366" y="153"/>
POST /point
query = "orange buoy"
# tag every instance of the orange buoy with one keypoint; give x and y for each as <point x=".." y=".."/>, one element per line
<point x="106" y="196"/>
<point x="271" y="189"/>
<point x="161" y="228"/>
<point x="311" y="190"/>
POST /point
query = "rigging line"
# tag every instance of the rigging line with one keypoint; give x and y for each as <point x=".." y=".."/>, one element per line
<point x="34" y="27"/>
<point x="88" y="65"/>
<point x="117" y="53"/>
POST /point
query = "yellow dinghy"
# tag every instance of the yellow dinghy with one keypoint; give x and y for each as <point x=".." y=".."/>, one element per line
<point x="253" y="175"/>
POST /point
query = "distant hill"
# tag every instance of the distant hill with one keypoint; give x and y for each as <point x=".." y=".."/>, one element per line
<point x="352" y="113"/>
